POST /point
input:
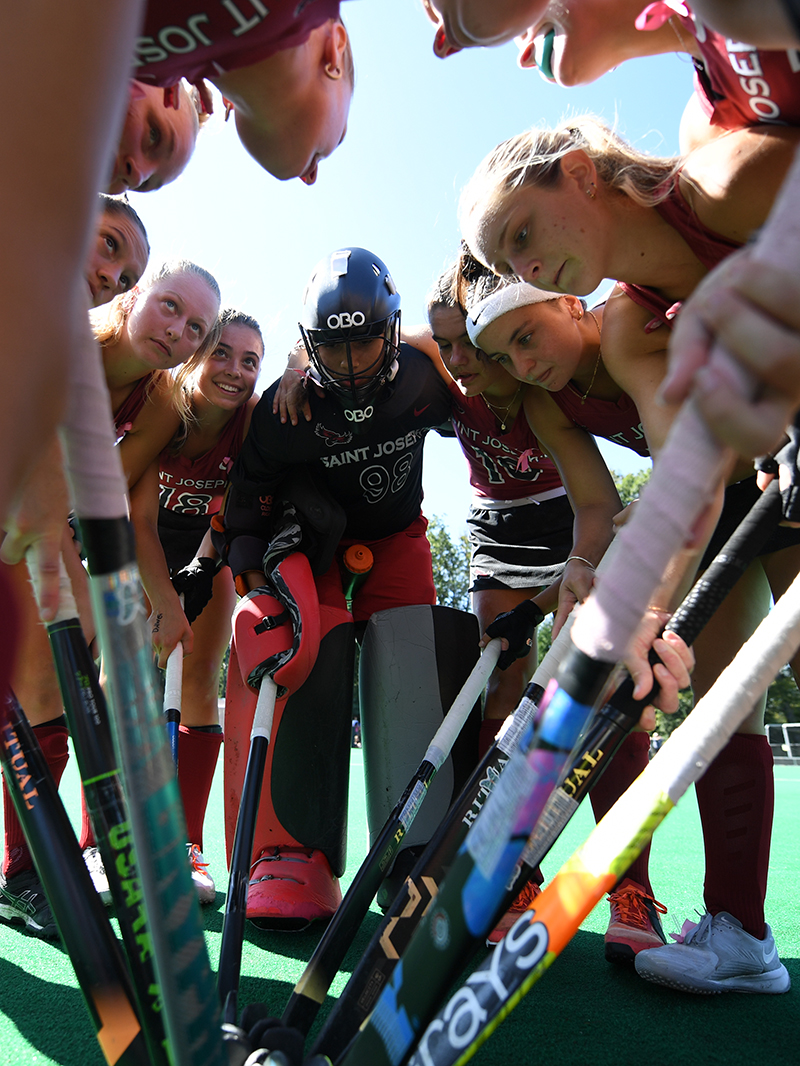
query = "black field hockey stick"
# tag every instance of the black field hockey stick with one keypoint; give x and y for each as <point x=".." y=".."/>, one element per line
<point x="310" y="991"/>
<point x="603" y="738"/>
<point x="77" y="909"/>
<point x="622" y="712"/>
<point x="540" y="934"/>
<point x="87" y="716"/>
<point x="402" y="918"/>
<point x="94" y="471"/>
<point x="230" y="955"/>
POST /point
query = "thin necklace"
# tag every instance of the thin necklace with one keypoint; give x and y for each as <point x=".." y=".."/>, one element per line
<point x="496" y="409"/>
<point x="597" y="362"/>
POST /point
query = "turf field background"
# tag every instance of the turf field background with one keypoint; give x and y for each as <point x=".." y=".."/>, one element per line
<point x="582" y="1011"/>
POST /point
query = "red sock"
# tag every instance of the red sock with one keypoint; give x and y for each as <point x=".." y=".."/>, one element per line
<point x="736" y="797"/>
<point x="52" y="737"/>
<point x="629" y="760"/>
<point x="198" y="751"/>
<point x="489" y="729"/>
<point x="87" y="839"/>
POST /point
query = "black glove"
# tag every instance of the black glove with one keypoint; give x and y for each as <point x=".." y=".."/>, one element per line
<point x="517" y="627"/>
<point x="787" y="458"/>
<point x="196" y="583"/>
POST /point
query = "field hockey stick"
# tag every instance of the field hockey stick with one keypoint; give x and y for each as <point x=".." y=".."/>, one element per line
<point x="87" y="716"/>
<point x="94" y="471"/>
<point x="541" y="933"/>
<point x="77" y="909"/>
<point x="230" y="955"/>
<point x="622" y="712"/>
<point x="173" y="684"/>
<point x="310" y="991"/>
<point x="394" y="933"/>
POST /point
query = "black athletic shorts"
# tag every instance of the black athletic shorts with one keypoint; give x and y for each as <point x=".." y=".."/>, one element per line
<point x="181" y="536"/>
<point x="739" y="498"/>
<point x="519" y="547"/>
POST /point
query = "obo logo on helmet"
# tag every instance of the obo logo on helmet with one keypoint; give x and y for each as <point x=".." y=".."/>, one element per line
<point x="345" y="320"/>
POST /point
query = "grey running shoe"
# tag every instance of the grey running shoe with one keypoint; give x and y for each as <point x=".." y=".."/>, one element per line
<point x="716" y="955"/>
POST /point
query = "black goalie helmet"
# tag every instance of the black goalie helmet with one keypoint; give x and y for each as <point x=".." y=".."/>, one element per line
<point x="351" y="329"/>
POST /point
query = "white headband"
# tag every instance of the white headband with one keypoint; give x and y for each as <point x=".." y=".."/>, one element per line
<point x="506" y="298"/>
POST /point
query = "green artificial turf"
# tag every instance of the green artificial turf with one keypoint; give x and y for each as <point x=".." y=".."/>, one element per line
<point x="583" y="1010"/>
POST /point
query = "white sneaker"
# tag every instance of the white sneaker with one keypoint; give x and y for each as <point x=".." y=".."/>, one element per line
<point x="201" y="878"/>
<point x="716" y="955"/>
<point x="94" y="864"/>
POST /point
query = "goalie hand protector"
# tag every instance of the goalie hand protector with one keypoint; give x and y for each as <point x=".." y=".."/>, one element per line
<point x="517" y="627"/>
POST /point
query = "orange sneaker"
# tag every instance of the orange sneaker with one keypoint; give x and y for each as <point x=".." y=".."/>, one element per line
<point x="528" y="894"/>
<point x="635" y="924"/>
<point x="290" y="888"/>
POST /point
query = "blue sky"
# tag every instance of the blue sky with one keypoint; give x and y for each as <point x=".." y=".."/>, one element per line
<point x="418" y="128"/>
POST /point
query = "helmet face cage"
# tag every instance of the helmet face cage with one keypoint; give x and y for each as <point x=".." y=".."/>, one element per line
<point x="350" y="299"/>
<point x="354" y="385"/>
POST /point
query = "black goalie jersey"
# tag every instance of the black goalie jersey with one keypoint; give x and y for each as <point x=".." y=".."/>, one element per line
<point x="375" y="474"/>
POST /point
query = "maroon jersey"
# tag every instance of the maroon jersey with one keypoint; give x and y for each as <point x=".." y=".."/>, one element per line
<point x="196" y="39"/>
<point x="195" y="486"/>
<point x="129" y="409"/>
<point x="502" y="466"/>
<point x="740" y="85"/>
<point x="616" y="420"/>
<point x="709" y="247"/>
<point x="736" y="84"/>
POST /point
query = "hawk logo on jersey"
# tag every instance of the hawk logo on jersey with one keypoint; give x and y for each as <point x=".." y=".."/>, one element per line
<point x="330" y="437"/>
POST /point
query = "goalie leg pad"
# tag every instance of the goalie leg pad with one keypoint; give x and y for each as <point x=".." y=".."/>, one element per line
<point x="304" y="792"/>
<point x="308" y="766"/>
<point x="414" y="661"/>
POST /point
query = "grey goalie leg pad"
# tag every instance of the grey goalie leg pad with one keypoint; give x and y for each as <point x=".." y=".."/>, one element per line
<point x="414" y="661"/>
<point x="310" y="766"/>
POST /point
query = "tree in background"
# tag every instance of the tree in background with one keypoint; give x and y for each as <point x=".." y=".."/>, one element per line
<point x="450" y="565"/>
<point x="629" y="486"/>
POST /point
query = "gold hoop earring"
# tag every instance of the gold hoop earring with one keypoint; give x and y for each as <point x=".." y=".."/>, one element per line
<point x="591" y="192"/>
<point x="332" y="71"/>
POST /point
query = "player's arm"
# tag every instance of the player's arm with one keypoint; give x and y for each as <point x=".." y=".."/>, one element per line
<point x="590" y="489"/>
<point x="291" y="395"/>
<point x="167" y="618"/>
<point x="421" y="338"/>
<point x="731" y="183"/>
<point x="242" y="529"/>
<point x="152" y="430"/>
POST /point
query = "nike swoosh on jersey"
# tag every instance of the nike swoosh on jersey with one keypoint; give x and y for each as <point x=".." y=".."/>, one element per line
<point x="420" y="410"/>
